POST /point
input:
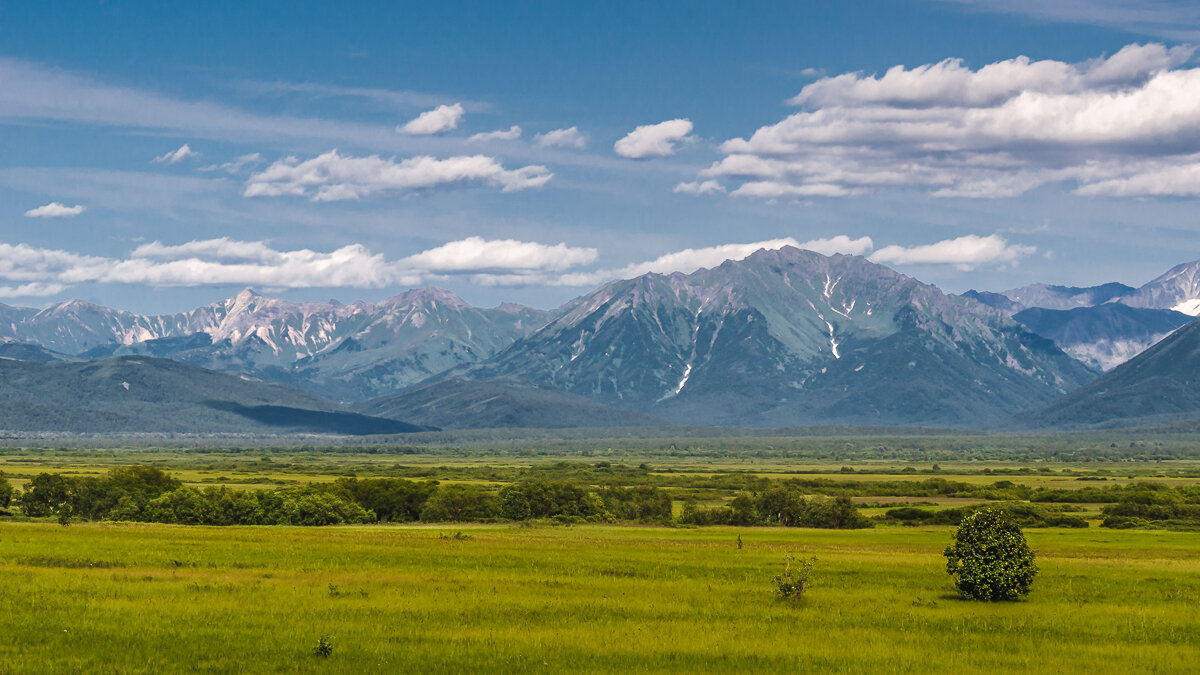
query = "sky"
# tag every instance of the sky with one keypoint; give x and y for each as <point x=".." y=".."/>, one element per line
<point x="157" y="157"/>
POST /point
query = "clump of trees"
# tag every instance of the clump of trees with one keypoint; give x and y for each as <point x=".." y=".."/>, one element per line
<point x="148" y="494"/>
<point x="1155" y="505"/>
<point x="1025" y="515"/>
<point x="990" y="559"/>
<point x="779" y="506"/>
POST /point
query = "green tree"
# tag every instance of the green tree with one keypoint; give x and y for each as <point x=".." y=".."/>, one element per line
<point x="45" y="494"/>
<point x="990" y="559"/>
<point x="6" y="491"/>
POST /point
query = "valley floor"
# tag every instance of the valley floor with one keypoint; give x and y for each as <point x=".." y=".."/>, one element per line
<point x="105" y="597"/>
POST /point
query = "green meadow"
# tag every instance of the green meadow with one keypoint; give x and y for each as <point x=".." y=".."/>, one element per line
<point x="136" y="598"/>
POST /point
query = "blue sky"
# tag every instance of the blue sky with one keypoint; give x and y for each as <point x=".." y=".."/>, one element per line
<point x="157" y="158"/>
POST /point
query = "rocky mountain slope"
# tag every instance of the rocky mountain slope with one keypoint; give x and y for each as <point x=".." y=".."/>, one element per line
<point x="500" y="403"/>
<point x="790" y="337"/>
<point x="1160" y="384"/>
<point x="1104" y="336"/>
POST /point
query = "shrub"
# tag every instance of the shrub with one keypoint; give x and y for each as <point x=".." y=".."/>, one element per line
<point x="324" y="647"/>
<point x="990" y="559"/>
<point x="792" y="583"/>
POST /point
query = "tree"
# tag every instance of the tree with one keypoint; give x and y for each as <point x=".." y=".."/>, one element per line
<point x="6" y="491"/>
<point x="45" y="494"/>
<point x="990" y="559"/>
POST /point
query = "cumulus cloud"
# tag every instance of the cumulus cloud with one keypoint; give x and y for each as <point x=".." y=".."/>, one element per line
<point x="334" y="177"/>
<point x="236" y="165"/>
<point x="996" y="131"/>
<point x="55" y="210"/>
<point x="33" y="290"/>
<point x="476" y="254"/>
<point x="654" y="140"/>
<point x="175" y="156"/>
<point x="965" y="253"/>
<point x="230" y="262"/>
<point x="569" y="137"/>
<point x="707" y="187"/>
<point x="691" y="259"/>
<point x="439" y="120"/>
<point x="510" y="134"/>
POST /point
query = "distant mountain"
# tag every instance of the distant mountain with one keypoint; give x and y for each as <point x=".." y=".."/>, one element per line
<point x="1103" y="336"/>
<point x="1097" y="329"/>
<point x="1178" y="289"/>
<point x="345" y="352"/>
<point x="1159" y="385"/>
<point x="499" y="403"/>
<point x="25" y="351"/>
<point x="790" y="337"/>
<point x="995" y="301"/>
<point x="1066" y="297"/>
<point x="148" y="395"/>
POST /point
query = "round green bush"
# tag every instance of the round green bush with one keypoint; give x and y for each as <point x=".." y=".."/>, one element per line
<point x="990" y="559"/>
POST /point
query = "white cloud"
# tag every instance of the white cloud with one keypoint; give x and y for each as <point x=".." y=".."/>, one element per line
<point x="997" y="131"/>
<point x="33" y="290"/>
<point x="236" y="165"/>
<point x="691" y="259"/>
<point x="55" y="210"/>
<point x="707" y="187"/>
<point x="224" y="261"/>
<point x="840" y="244"/>
<point x="569" y="137"/>
<point x="333" y="177"/>
<point x="510" y="134"/>
<point x="654" y="140"/>
<point x="439" y="120"/>
<point x="965" y="253"/>
<point x="476" y="254"/>
<point x="175" y="156"/>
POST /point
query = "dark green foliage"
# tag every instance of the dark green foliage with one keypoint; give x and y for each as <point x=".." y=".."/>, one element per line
<point x="780" y="506"/>
<point x="1154" y="504"/>
<point x="45" y="494"/>
<point x="990" y="559"/>
<point x="392" y="499"/>
<point x="1025" y="515"/>
<point x="460" y="503"/>
<point x="791" y="584"/>
<point x="6" y="491"/>
<point x="324" y="647"/>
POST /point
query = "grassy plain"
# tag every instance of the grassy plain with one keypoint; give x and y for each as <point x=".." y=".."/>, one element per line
<point x="143" y="598"/>
<point x="154" y="598"/>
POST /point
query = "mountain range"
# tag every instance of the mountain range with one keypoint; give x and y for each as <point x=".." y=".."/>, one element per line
<point x="342" y="352"/>
<point x="1104" y="325"/>
<point x="788" y="337"/>
<point x="1162" y="384"/>
<point x="782" y="337"/>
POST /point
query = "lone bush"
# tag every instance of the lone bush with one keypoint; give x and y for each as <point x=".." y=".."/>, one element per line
<point x="324" y="647"/>
<point x="990" y="559"/>
<point x="792" y="583"/>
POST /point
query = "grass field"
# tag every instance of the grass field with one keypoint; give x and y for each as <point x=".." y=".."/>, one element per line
<point x="153" y="598"/>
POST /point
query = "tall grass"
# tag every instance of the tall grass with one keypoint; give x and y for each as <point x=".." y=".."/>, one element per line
<point x="154" y="599"/>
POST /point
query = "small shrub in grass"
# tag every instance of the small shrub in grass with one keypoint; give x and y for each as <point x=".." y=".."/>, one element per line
<point x="990" y="559"/>
<point x="324" y="647"/>
<point x="793" y="582"/>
